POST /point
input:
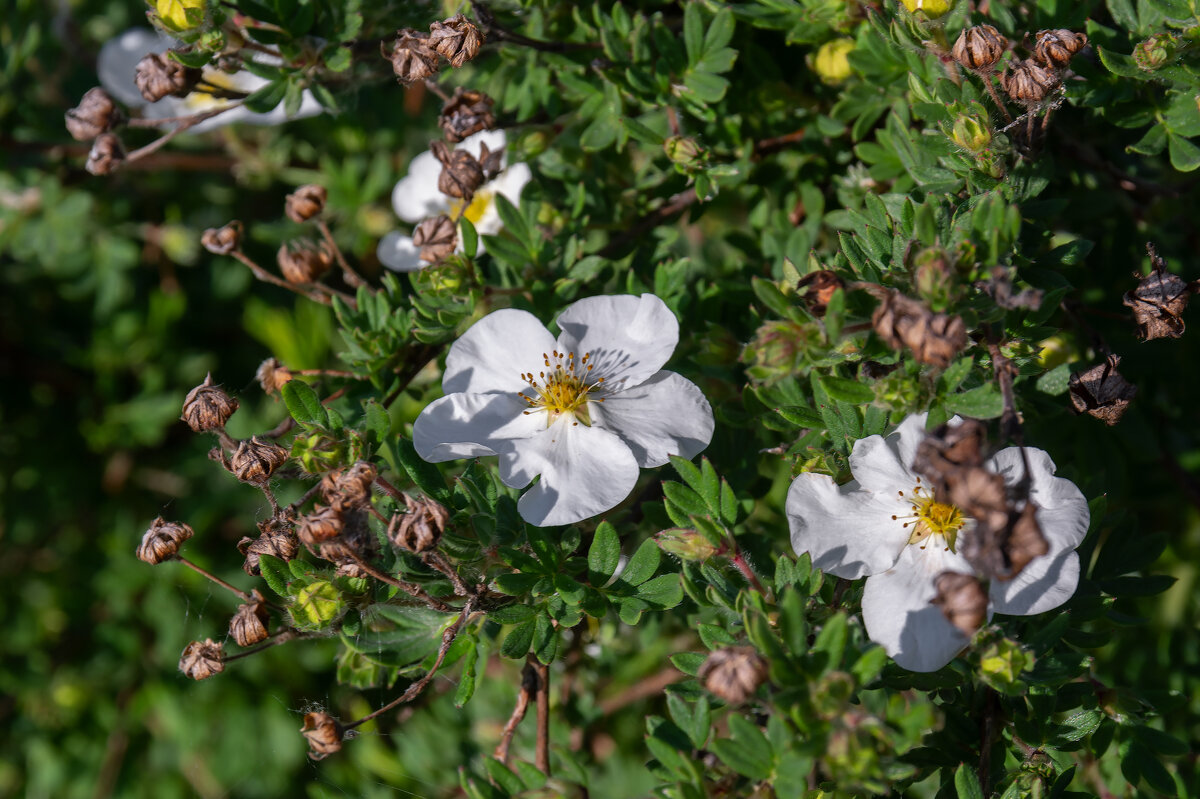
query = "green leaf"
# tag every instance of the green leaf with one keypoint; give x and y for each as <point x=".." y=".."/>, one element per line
<point x="693" y="719"/>
<point x="841" y="388"/>
<point x="831" y="641"/>
<point x="663" y="592"/>
<point x="689" y="662"/>
<point x="984" y="402"/>
<point x="266" y="98"/>
<point x="303" y="403"/>
<point x="516" y="643"/>
<point x="513" y="221"/>
<point x="275" y="573"/>
<point x="966" y="783"/>
<point x="693" y="32"/>
<point x="545" y="639"/>
<point x="1055" y="381"/>
<point x="466" y="684"/>
<point x="802" y="416"/>
<point x="686" y="500"/>
<point x="604" y="554"/>
<point x="641" y="566"/>
<point x="748" y="752"/>
<point x="470" y="237"/>
<point x="1185" y="156"/>
<point x="423" y="473"/>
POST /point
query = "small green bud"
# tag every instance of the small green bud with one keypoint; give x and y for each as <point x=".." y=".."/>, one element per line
<point x="318" y="452"/>
<point x="317" y="605"/>
<point x="1155" y="52"/>
<point x="180" y="15"/>
<point x="971" y="133"/>
<point x="685" y="544"/>
<point x="934" y="277"/>
<point x="1002" y="662"/>
<point x="683" y="150"/>
<point x="832" y="62"/>
<point x="931" y="8"/>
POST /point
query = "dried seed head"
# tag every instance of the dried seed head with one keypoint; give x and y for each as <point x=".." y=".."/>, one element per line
<point x="106" y="156"/>
<point x="1027" y="82"/>
<point x="305" y="203"/>
<point x="817" y="288"/>
<point x="254" y="460"/>
<point x="947" y="450"/>
<point x="420" y="529"/>
<point x="1055" y="48"/>
<point x="277" y="540"/>
<point x="349" y="488"/>
<point x="461" y="172"/>
<point x="202" y="659"/>
<point x="466" y="113"/>
<point x="933" y="338"/>
<point x="412" y="58"/>
<point x="207" y="407"/>
<point x="304" y="261"/>
<point x="271" y="375"/>
<point x="222" y="240"/>
<point x="491" y="162"/>
<point x="323" y="733"/>
<point x="437" y="237"/>
<point x="963" y="601"/>
<point x="979" y="48"/>
<point x="162" y="541"/>
<point x="1024" y="542"/>
<point x="158" y="75"/>
<point x="733" y="673"/>
<point x="1101" y="392"/>
<point x="456" y="39"/>
<point x="1159" y="301"/>
<point x="95" y="114"/>
<point x="323" y="524"/>
<point x="249" y="625"/>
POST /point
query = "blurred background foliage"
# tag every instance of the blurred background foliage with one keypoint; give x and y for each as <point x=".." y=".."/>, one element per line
<point x="110" y="312"/>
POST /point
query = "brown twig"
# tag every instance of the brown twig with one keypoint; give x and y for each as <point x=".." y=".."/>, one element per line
<point x="189" y="122"/>
<point x="413" y="590"/>
<point x="677" y="204"/>
<point x="436" y="560"/>
<point x="542" y="752"/>
<point x="774" y="145"/>
<point x="267" y="277"/>
<point x="351" y="277"/>
<point x="987" y="735"/>
<point x="414" y="361"/>
<point x="643" y="689"/>
<point x="282" y="637"/>
<point x="389" y="489"/>
<point x="204" y="573"/>
<point x="529" y="683"/>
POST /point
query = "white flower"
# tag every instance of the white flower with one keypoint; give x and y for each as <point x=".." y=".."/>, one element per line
<point x="866" y="527"/>
<point x="416" y="197"/>
<point x="117" y="64"/>
<point x="584" y="410"/>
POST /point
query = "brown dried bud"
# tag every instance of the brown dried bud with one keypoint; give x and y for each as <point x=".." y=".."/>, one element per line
<point x="106" y="156"/>
<point x="979" y="48"/>
<point x="324" y="735"/>
<point x="249" y="625"/>
<point x="456" y="39"/>
<point x="962" y="600"/>
<point x="1055" y="48"/>
<point x="420" y="529"/>
<point x="933" y="338"/>
<point x="222" y="240"/>
<point x="253" y="461"/>
<point x="321" y="525"/>
<point x="733" y="673"/>
<point x="1159" y="301"/>
<point x="437" y="237"/>
<point x="490" y="161"/>
<point x="1025" y="542"/>
<point x="817" y="288"/>
<point x="461" y="172"/>
<point x="207" y="407"/>
<point x="1028" y="83"/>
<point x="412" y="58"/>
<point x="158" y="75"/>
<point x="277" y="540"/>
<point x="95" y="114"/>
<point x="271" y="375"/>
<point x="947" y="450"/>
<point x="1101" y="391"/>
<point x="162" y="541"/>
<point x="202" y="659"/>
<point x="465" y="113"/>
<point x="304" y="261"/>
<point x="305" y="203"/>
<point x="348" y="488"/>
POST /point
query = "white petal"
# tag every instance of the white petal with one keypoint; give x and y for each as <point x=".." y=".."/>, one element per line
<point x="885" y="464"/>
<point x="585" y="471"/>
<point x="629" y="338"/>
<point x="511" y="182"/>
<point x="416" y="195"/>
<point x="117" y="62"/>
<point x="397" y="251"/>
<point x="898" y="615"/>
<point x="1044" y="584"/>
<point x="494" y="352"/>
<point x="848" y="532"/>
<point x="472" y="425"/>
<point x="666" y="415"/>
<point x="494" y="139"/>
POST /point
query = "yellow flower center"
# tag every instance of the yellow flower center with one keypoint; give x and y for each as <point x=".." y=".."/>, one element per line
<point x="478" y="207"/>
<point x="201" y="99"/>
<point x="564" y="388"/>
<point x="931" y="518"/>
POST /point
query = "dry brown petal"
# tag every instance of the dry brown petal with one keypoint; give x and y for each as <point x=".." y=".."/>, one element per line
<point x="1025" y="541"/>
<point x="466" y="113"/>
<point x="202" y="659"/>
<point x="249" y="625"/>
<point x="95" y="114"/>
<point x="947" y="450"/>
<point x="222" y="240"/>
<point x="979" y="48"/>
<point x="412" y="58"/>
<point x="254" y="460"/>
<point x="933" y="338"/>
<point x="278" y="543"/>
<point x="158" y="75"/>
<point x="420" y="529"/>
<point x="461" y="172"/>
<point x="106" y="156"/>
<point x="1101" y="391"/>
<point x="207" y="407"/>
<point x="304" y="261"/>
<point x="817" y="288"/>
<point x="1159" y="301"/>
<point x="321" y="525"/>
<point x="1055" y="48"/>
<point x="1027" y="82"/>
<point x="348" y="488"/>
<point x="271" y="375"/>
<point x="733" y="673"/>
<point x="162" y="541"/>
<point x="456" y="39"/>
<point x="490" y="161"/>
<point x="963" y="601"/>
<point x="324" y="735"/>
<point x="437" y="237"/>
<point x="305" y="203"/>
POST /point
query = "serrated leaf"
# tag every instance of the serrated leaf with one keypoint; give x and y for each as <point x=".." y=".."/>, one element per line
<point x="516" y="643"/>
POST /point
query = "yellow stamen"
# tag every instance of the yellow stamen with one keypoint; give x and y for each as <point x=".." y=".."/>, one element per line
<point x="566" y="389"/>
<point x="478" y="207"/>
<point x="930" y="518"/>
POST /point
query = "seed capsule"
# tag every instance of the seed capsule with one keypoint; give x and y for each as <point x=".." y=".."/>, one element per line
<point x="461" y="172"/>
<point x="95" y="114"/>
<point x="420" y="529"/>
<point x="249" y="625"/>
<point x="207" y="407"/>
<point x="106" y="156"/>
<point x="303" y="261"/>
<point x="256" y="459"/>
<point x="412" y="58"/>
<point x="222" y="240"/>
<point x="979" y="48"/>
<point x="162" y="541"/>
<point x="1054" y="48"/>
<point x="324" y="735"/>
<point x="456" y="39"/>
<point x="305" y="203"/>
<point x="158" y="75"/>
<point x="321" y="525"/>
<point x="734" y="673"/>
<point x="962" y="600"/>
<point x="437" y="237"/>
<point x="1027" y="82"/>
<point x="466" y="113"/>
<point x="202" y="659"/>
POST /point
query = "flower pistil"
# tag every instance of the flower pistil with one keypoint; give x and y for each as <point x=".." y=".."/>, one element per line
<point x="930" y="517"/>
<point x="565" y="389"/>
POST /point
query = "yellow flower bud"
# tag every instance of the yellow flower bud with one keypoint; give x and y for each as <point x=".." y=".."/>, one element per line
<point x="174" y="12"/>
<point x="831" y="63"/>
<point x="932" y="8"/>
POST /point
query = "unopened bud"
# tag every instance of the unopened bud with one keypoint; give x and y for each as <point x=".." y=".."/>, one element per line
<point x="817" y="289"/>
<point x="437" y="237"/>
<point x="933" y="338"/>
<point x="733" y="673"/>
<point x="682" y="150"/>
<point x="202" y="659"/>
<point x="1055" y="48"/>
<point x="686" y="545"/>
<point x="249" y="625"/>
<point x="323" y="733"/>
<point x="1101" y="392"/>
<point x="158" y="75"/>
<point x="95" y="114"/>
<point x="466" y="113"/>
<point x="271" y="375"/>
<point x="255" y="460"/>
<point x="456" y="39"/>
<point x="348" y="488"/>
<point x="979" y="48"/>
<point x="461" y="172"/>
<point x="420" y="529"/>
<point x="962" y="600"/>
<point x="162" y="541"/>
<point x="934" y="277"/>
<point x="303" y="261"/>
<point x="1027" y="82"/>
<point x="305" y="203"/>
<point x="930" y="8"/>
<point x="1002" y="662"/>
<point x="1155" y="52"/>
<point x="317" y="605"/>
<point x="222" y="240"/>
<point x="322" y="524"/>
<point x="106" y="156"/>
<point x="972" y="133"/>
<point x="832" y="62"/>
<point x="412" y="58"/>
<point x="207" y="407"/>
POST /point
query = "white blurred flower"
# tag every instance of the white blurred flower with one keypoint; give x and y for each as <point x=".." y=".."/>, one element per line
<point x="885" y="526"/>
<point x="416" y="197"/>
<point x="584" y="411"/>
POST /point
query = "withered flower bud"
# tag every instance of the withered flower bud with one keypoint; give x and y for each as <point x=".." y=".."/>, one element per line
<point x="1028" y="83"/>
<point x="222" y="240"/>
<point x="461" y="173"/>
<point x="305" y="203"/>
<point x="933" y="338"/>
<point x="278" y="543"/>
<point x="1101" y="391"/>
<point x="253" y="461"/>
<point x="349" y="488"/>
<point x="162" y="541"/>
<point x="817" y="288"/>
<point x="948" y="449"/>
<point x="733" y="673"/>
<point x="324" y="735"/>
<point x="1024" y="543"/>
<point x="979" y="48"/>
<point x="420" y="529"/>
<point x="456" y="39"/>
<point x="303" y="261"/>
<point x="465" y="113"/>
<point x="962" y="600"/>
<point x="1159" y="301"/>
<point x="106" y="156"/>
<point x="490" y="161"/>
<point x="412" y="58"/>
<point x="321" y="525"/>
<point x="207" y="407"/>
<point x="1055" y="48"/>
<point x="202" y="659"/>
<point x="158" y="75"/>
<point x="437" y="237"/>
<point x="271" y="375"/>
<point x="249" y="625"/>
<point x="95" y="114"/>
